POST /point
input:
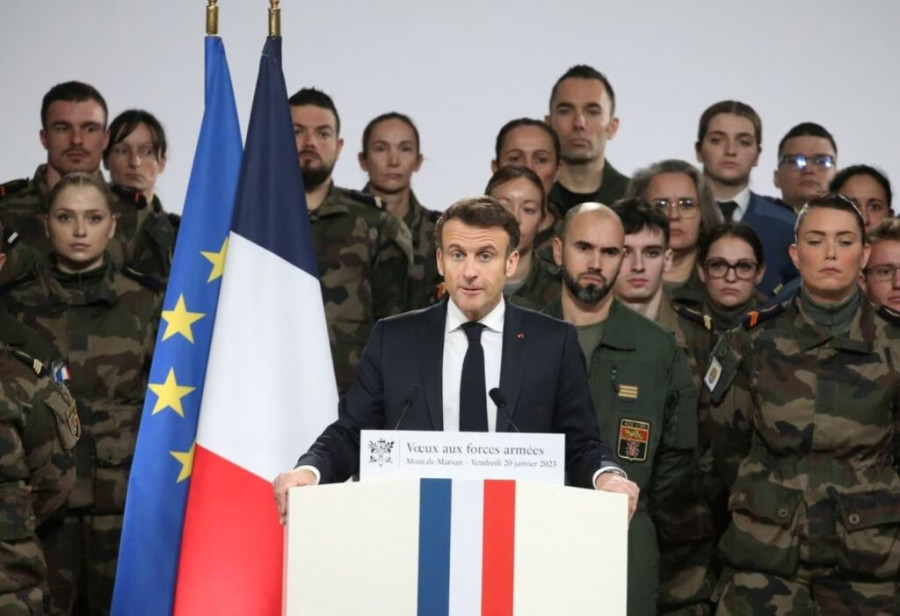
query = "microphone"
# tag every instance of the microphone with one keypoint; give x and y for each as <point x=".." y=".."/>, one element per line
<point x="412" y="394"/>
<point x="500" y="400"/>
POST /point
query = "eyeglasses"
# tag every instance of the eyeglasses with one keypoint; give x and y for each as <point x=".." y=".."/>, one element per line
<point x="718" y="268"/>
<point x="687" y="208"/>
<point x="799" y="161"/>
<point x="882" y="272"/>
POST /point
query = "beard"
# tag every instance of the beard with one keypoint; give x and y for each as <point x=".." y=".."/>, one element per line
<point x="589" y="294"/>
<point x="313" y="177"/>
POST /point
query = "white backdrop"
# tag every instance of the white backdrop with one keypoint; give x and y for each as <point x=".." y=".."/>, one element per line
<point x="462" y="68"/>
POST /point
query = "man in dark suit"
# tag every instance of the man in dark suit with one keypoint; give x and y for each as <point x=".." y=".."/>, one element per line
<point x="729" y="142"/>
<point x="432" y="369"/>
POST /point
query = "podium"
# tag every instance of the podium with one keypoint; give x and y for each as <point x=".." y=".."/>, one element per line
<point x="460" y="546"/>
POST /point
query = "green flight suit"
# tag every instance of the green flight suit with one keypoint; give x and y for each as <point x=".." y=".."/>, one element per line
<point x="647" y="409"/>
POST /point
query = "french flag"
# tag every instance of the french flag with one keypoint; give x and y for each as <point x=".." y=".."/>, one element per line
<point x="270" y="387"/>
<point x="441" y="547"/>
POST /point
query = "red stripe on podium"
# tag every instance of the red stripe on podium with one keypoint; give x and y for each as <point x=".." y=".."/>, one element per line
<point x="498" y="554"/>
<point x="232" y="546"/>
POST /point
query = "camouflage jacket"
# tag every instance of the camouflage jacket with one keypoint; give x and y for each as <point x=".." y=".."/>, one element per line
<point x="424" y="279"/>
<point x="38" y="430"/>
<point x="817" y="415"/>
<point x="145" y="235"/>
<point x="540" y="287"/>
<point x="363" y="254"/>
<point x="104" y="323"/>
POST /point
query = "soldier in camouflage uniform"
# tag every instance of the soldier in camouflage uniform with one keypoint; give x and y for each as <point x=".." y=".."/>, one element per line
<point x="535" y="283"/>
<point x="807" y="395"/>
<point x="390" y="155"/>
<point x="363" y="253"/>
<point x="640" y="384"/>
<point x="74" y="133"/>
<point x="104" y="322"/>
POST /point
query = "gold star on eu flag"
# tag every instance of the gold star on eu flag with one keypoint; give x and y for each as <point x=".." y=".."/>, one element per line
<point x="218" y="261"/>
<point x="170" y="394"/>
<point x="186" y="459"/>
<point x="179" y="320"/>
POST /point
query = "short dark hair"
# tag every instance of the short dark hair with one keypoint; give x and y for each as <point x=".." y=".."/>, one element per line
<point x="72" y="92"/>
<point x="391" y="115"/>
<point x="831" y="201"/>
<point x="733" y="229"/>
<point x="584" y="71"/>
<point x="485" y="212"/>
<point x="735" y="108"/>
<point x="80" y="179"/>
<point x="126" y="122"/>
<point x="514" y="124"/>
<point x="807" y="129"/>
<point x="515" y="171"/>
<point x="316" y="98"/>
<point x="637" y="215"/>
<point x="853" y="170"/>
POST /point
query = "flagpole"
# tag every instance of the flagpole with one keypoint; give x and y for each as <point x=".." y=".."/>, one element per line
<point x="274" y="18"/>
<point x="212" y="18"/>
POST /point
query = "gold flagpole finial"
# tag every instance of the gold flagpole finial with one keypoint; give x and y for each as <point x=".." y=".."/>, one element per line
<point x="212" y="18"/>
<point x="274" y="18"/>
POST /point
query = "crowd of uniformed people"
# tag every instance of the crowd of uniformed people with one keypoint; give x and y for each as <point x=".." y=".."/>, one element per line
<point x="741" y="349"/>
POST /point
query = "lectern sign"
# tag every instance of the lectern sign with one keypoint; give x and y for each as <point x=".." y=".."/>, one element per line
<point x="407" y="454"/>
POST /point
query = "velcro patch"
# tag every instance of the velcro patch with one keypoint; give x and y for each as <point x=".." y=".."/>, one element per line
<point x="634" y="440"/>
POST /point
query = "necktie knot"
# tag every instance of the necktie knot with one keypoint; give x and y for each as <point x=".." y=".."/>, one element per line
<point x="473" y="330"/>
<point x="728" y="208"/>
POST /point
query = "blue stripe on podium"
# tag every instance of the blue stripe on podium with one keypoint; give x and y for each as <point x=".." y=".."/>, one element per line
<point x="434" y="547"/>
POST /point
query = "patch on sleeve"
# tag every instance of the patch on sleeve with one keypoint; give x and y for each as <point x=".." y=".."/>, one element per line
<point x="634" y="440"/>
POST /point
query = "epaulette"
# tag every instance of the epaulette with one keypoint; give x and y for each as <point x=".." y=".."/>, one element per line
<point x="35" y="364"/>
<point x="889" y="314"/>
<point x="174" y="220"/>
<point x="17" y="281"/>
<point x="143" y="279"/>
<point x="11" y="188"/>
<point x="366" y="198"/>
<point x="130" y="195"/>
<point x="692" y="314"/>
<point x="761" y="315"/>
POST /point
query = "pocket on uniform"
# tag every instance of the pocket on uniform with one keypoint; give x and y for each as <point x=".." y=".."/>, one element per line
<point x="867" y="528"/>
<point x="17" y="520"/>
<point x="763" y="532"/>
<point x="114" y="429"/>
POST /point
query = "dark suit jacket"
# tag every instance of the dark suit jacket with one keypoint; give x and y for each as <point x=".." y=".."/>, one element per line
<point x="542" y="376"/>
<point x="775" y="227"/>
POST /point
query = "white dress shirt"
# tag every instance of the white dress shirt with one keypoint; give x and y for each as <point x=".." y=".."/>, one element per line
<point x="456" y="343"/>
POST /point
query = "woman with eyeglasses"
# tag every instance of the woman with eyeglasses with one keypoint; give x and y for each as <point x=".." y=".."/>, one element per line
<point x="804" y="428"/>
<point x="881" y="278"/>
<point x="869" y="189"/>
<point x="678" y="188"/>
<point x="135" y="157"/>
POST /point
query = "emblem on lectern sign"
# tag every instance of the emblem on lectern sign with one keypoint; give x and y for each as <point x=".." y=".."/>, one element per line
<point x="380" y="452"/>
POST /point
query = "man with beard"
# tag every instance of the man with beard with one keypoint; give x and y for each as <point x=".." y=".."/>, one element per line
<point x="362" y="252"/>
<point x="640" y="383"/>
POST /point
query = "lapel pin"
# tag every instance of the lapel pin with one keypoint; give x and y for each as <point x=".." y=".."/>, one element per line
<point x="520" y="336"/>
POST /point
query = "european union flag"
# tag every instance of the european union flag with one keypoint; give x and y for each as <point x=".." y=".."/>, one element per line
<point x="158" y="487"/>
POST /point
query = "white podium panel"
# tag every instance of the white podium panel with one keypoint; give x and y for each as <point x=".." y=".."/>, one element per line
<point x="455" y="547"/>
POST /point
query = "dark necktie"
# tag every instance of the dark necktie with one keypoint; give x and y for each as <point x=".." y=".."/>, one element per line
<point x="728" y="208"/>
<point x="472" y="401"/>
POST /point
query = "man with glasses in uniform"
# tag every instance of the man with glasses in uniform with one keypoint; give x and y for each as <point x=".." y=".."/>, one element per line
<point x="881" y="277"/>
